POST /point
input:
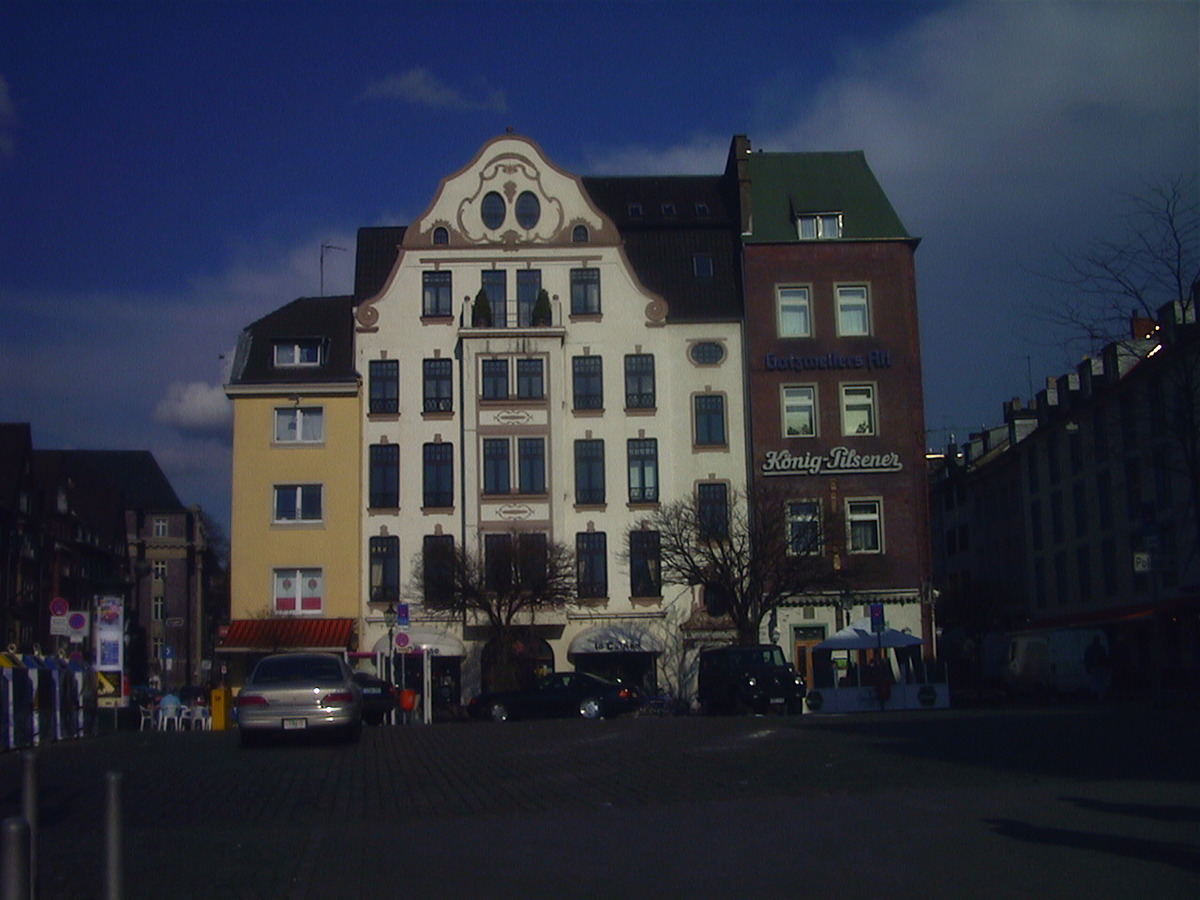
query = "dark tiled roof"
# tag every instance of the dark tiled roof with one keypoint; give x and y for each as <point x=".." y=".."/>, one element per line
<point x="328" y="319"/>
<point x="375" y="254"/>
<point x="16" y="447"/>
<point x="665" y="223"/>
<point x="784" y="185"/>
<point x="134" y="473"/>
<point x="256" y="635"/>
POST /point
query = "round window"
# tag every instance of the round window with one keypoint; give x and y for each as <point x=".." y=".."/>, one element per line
<point x="707" y="353"/>
<point x="493" y="210"/>
<point x="529" y="210"/>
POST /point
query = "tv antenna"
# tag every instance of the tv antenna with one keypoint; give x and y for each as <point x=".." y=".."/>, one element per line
<point x="325" y="245"/>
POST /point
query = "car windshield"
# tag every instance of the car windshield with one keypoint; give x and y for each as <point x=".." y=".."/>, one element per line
<point x="759" y="656"/>
<point x="297" y="668"/>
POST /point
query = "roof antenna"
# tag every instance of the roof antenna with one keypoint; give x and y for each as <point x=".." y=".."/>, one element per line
<point x="325" y="245"/>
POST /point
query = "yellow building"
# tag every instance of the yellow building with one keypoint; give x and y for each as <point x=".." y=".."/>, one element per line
<point x="296" y="481"/>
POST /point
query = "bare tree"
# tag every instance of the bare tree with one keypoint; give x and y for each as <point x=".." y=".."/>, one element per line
<point x="752" y="554"/>
<point x="1139" y="291"/>
<point x="502" y="585"/>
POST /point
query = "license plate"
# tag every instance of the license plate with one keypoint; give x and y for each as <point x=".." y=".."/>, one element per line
<point x="776" y="699"/>
<point x="372" y="691"/>
<point x="293" y="724"/>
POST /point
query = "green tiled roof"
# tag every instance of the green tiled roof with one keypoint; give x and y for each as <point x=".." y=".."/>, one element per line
<point x="785" y="185"/>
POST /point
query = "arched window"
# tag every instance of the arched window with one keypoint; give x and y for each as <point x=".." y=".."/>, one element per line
<point x="580" y="234"/>
<point x="441" y="235"/>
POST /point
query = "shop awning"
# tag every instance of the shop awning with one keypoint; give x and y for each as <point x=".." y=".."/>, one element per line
<point x="269" y="635"/>
<point x="614" y="637"/>
<point x="424" y="640"/>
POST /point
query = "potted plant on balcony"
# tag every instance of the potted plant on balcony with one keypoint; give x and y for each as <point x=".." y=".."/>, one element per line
<point x="481" y="311"/>
<point x="541" y="309"/>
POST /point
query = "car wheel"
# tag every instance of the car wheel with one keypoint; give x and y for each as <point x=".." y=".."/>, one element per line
<point x="590" y="708"/>
<point x="498" y="712"/>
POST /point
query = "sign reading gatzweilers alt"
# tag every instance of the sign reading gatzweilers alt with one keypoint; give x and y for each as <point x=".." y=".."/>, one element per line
<point x="838" y="461"/>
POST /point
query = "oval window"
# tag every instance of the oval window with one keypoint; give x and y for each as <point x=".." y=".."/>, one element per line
<point x="707" y="353"/>
<point x="493" y="210"/>
<point x="529" y="210"/>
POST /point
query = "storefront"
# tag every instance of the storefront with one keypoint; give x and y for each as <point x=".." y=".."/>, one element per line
<point x="445" y="654"/>
<point x="619" y="651"/>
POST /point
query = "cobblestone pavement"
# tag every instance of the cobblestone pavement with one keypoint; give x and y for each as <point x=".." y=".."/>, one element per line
<point x="1062" y="802"/>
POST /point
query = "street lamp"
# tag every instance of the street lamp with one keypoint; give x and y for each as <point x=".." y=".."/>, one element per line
<point x="389" y="619"/>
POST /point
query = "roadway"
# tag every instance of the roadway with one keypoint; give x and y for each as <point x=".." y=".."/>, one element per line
<point x="1064" y="801"/>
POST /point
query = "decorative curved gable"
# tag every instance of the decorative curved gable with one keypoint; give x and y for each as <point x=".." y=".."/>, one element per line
<point x="510" y="195"/>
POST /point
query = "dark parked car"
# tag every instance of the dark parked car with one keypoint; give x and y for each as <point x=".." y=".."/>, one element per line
<point x="379" y="697"/>
<point x="299" y="692"/>
<point x="563" y="695"/>
<point x="749" y="679"/>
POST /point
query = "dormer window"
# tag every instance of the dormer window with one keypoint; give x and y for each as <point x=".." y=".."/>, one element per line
<point x="668" y="210"/>
<point x="635" y="210"/>
<point x="441" y="236"/>
<point x="580" y="234"/>
<point x="819" y="226"/>
<point x="299" y="352"/>
<point x="701" y="209"/>
<point x="702" y="265"/>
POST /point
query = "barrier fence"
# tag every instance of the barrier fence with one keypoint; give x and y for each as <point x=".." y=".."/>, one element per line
<point x="45" y="699"/>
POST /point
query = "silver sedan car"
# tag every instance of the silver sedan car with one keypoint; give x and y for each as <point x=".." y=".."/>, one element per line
<point x="299" y="692"/>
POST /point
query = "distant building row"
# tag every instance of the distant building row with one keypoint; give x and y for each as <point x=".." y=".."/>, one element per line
<point x="1080" y="510"/>
<point x="76" y="525"/>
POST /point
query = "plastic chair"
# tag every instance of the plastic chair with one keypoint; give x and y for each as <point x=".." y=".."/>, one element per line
<point x="201" y="718"/>
<point x="169" y="716"/>
<point x="147" y="718"/>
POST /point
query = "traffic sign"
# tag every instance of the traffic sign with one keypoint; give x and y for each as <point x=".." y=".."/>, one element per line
<point x="402" y="640"/>
<point x="402" y="614"/>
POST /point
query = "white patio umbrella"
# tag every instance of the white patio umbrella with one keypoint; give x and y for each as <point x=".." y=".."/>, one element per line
<point x="858" y="636"/>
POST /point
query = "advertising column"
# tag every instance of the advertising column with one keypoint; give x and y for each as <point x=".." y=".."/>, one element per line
<point x="110" y="651"/>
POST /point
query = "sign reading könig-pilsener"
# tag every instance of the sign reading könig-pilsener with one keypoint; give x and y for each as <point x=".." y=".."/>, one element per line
<point x="838" y="461"/>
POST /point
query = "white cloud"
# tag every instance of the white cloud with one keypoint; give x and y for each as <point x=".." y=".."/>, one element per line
<point x="423" y="88"/>
<point x="1002" y="133"/>
<point x="195" y="408"/>
<point x="146" y="371"/>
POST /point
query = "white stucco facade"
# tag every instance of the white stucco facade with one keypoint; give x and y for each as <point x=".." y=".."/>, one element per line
<point x="528" y="243"/>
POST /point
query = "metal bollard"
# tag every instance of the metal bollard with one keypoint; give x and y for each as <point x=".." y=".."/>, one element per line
<point x="14" y="859"/>
<point x="29" y="809"/>
<point x="112" y="838"/>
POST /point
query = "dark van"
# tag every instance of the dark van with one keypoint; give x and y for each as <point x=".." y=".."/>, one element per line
<point x="749" y="679"/>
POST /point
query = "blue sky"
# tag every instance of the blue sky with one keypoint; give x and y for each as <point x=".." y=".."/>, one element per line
<point x="169" y="170"/>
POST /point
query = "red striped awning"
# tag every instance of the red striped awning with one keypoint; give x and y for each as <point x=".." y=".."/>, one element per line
<point x="258" y="635"/>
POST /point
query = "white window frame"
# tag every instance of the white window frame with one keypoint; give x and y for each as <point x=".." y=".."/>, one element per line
<point x="859" y="510"/>
<point x="299" y="518"/>
<point x="786" y="404"/>
<point x="826" y="226"/>
<point x="848" y="299"/>
<point x="161" y="528"/>
<point x="158" y="569"/>
<point x="856" y="404"/>
<point x="295" y="420"/>
<point x="298" y="579"/>
<point x="798" y="297"/>
<point x="290" y="354"/>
